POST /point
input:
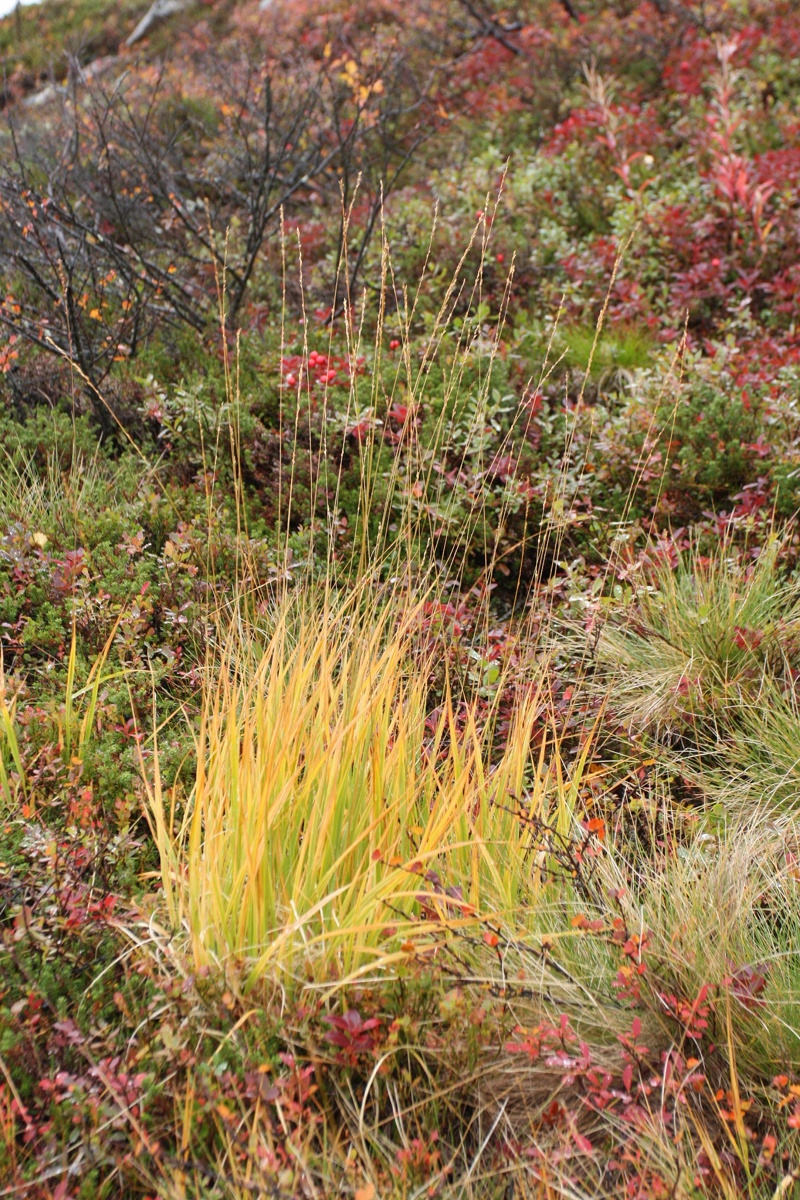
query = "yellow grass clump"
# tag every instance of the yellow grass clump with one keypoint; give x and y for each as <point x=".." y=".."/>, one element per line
<point x="333" y="807"/>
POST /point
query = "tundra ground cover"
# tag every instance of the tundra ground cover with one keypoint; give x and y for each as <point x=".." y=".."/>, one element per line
<point x="398" y="601"/>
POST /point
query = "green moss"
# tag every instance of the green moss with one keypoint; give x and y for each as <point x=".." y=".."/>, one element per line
<point x="619" y="348"/>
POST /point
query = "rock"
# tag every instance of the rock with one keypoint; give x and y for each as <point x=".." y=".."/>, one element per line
<point x="157" y="11"/>
<point x="52" y="92"/>
<point x="98" y="67"/>
<point x="82" y="75"/>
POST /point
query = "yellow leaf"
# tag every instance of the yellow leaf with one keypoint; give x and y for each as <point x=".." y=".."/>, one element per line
<point x="96" y="315"/>
<point x="39" y="539"/>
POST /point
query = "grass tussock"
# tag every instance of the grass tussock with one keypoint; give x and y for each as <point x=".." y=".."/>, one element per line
<point x="331" y="790"/>
<point x="705" y="634"/>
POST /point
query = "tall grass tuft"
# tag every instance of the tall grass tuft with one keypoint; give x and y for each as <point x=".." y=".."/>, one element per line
<point x="703" y="638"/>
<point x="74" y="721"/>
<point x="337" y="799"/>
<point x="345" y="786"/>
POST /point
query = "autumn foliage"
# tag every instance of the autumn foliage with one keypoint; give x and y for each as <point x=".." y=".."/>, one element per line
<point x="399" y="608"/>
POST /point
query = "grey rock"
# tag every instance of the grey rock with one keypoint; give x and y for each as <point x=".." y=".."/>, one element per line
<point x="80" y="75"/>
<point x="158" y="11"/>
<point x="52" y="92"/>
